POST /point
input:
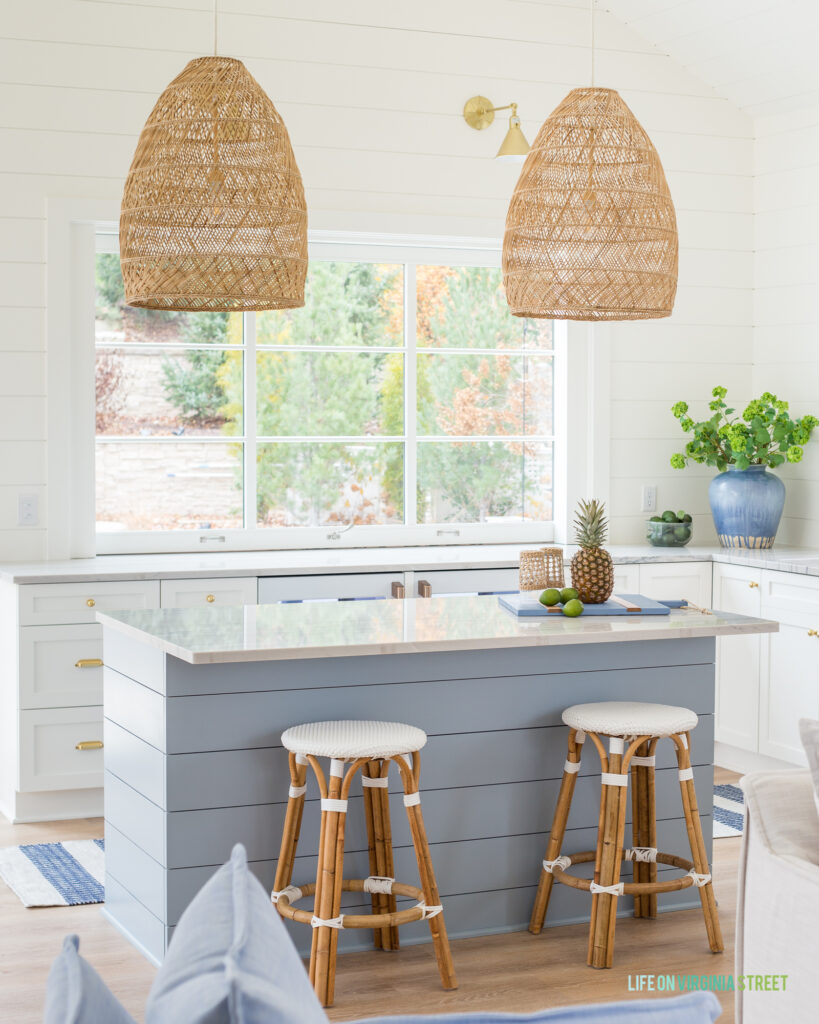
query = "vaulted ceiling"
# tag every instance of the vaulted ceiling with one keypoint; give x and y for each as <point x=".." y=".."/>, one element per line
<point x="760" y="54"/>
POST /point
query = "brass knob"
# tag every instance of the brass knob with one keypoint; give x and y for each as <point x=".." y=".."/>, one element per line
<point x="89" y="745"/>
<point x="813" y="632"/>
<point x="88" y="663"/>
<point x="210" y="598"/>
<point x="753" y="584"/>
<point x="90" y="602"/>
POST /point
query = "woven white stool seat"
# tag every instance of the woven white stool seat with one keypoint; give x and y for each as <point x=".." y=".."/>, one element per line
<point x="347" y="740"/>
<point x="630" y="718"/>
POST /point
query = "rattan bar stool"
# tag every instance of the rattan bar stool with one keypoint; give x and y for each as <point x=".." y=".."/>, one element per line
<point x="634" y="730"/>
<point x="370" y="746"/>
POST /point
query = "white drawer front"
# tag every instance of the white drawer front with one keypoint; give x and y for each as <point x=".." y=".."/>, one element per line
<point x="336" y="587"/>
<point x="56" y="603"/>
<point x="791" y="597"/>
<point x="60" y="666"/>
<point x="626" y="579"/>
<point x="195" y="593"/>
<point x="690" y="581"/>
<point x="49" y="758"/>
<point x="467" y="581"/>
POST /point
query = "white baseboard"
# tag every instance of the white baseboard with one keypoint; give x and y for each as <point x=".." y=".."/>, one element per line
<point x="57" y="805"/>
<point x="746" y="761"/>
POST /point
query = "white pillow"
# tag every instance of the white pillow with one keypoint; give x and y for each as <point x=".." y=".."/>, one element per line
<point x="809" y="733"/>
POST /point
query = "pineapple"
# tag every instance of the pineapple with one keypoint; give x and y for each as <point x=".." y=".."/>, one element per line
<point x="592" y="568"/>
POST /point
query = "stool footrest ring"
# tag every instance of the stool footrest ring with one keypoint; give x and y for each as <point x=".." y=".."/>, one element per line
<point x="419" y="912"/>
<point x="560" y="873"/>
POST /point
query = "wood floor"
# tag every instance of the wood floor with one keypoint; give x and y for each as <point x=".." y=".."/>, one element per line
<point x="510" y="972"/>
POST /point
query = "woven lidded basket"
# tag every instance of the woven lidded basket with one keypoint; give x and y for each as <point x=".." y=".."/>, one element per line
<point x="541" y="569"/>
<point x="591" y="232"/>
<point x="213" y="212"/>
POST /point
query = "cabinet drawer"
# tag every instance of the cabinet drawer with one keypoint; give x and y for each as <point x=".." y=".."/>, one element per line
<point x="626" y="579"/>
<point x="195" y="593"/>
<point x="45" y="604"/>
<point x="337" y="587"/>
<point x="690" y="581"/>
<point x="57" y="666"/>
<point x="467" y="581"/>
<point x="790" y="597"/>
<point x="49" y="758"/>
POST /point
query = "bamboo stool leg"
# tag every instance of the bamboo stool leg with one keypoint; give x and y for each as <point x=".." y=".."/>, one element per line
<point x="609" y="850"/>
<point x="558" y="831"/>
<point x="328" y="892"/>
<point x="432" y="899"/>
<point x="372" y="770"/>
<point x="644" y="826"/>
<point x="389" y="936"/>
<point x="292" y="823"/>
<point x="601" y="819"/>
<point x="697" y="843"/>
<point x="650" y="901"/>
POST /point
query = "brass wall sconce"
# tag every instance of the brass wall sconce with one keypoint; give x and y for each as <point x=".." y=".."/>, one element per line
<point x="479" y="114"/>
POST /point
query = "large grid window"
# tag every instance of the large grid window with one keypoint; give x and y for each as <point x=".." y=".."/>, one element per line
<point x="402" y="394"/>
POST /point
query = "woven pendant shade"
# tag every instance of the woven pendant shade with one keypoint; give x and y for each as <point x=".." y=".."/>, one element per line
<point x="591" y="232"/>
<point x="213" y="213"/>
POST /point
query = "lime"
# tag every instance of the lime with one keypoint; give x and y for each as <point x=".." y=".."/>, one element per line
<point x="550" y="597"/>
<point x="687" y="518"/>
<point x="682" y="532"/>
<point x="681" y="517"/>
<point x="656" y="519"/>
<point x="567" y="594"/>
<point x="573" y="608"/>
<point x="669" y="517"/>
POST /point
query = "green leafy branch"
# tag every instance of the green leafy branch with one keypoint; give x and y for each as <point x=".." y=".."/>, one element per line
<point x="764" y="435"/>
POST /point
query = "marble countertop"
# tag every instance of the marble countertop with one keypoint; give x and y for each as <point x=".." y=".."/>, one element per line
<point x="353" y="560"/>
<point x="282" y="632"/>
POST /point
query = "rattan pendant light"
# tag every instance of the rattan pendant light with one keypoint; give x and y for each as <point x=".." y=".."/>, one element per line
<point x="213" y="213"/>
<point x="591" y="232"/>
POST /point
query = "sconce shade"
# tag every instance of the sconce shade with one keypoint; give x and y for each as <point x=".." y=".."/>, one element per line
<point x="591" y="232"/>
<point x="213" y="213"/>
<point x="514" y="147"/>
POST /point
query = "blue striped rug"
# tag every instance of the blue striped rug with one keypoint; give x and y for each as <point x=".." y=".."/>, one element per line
<point x="55" y="874"/>
<point x="729" y="812"/>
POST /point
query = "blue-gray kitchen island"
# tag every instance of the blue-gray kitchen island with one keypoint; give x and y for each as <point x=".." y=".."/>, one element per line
<point x="196" y="701"/>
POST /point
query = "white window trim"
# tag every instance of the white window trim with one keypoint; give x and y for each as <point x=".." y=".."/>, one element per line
<point x="580" y="378"/>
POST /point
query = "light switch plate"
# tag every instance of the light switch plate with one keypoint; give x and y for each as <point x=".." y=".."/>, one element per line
<point x="648" y="498"/>
<point x="28" y="510"/>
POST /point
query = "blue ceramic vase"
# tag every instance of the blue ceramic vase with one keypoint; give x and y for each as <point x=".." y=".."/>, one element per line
<point x="746" y="505"/>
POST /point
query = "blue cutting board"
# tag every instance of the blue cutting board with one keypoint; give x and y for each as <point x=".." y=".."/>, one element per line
<point x="528" y="604"/>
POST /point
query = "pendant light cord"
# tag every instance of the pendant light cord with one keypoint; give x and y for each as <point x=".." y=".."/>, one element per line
<point x="215" y="26"/>
<point x="592" y="6"/>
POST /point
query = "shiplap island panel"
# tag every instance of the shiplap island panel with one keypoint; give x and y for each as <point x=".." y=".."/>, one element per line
<point x="196" y="701"/>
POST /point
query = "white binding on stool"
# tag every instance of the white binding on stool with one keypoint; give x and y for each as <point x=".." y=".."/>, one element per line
<point x="612" y="890"/>
<point x="560" y="862"/>
<point x="686" y="774"/>
<point x="648" y="762"/>
<point x="378" y="883"/>
<point x="337" y="768"/>
<point x="684" y="740"/>
<point x="580" y="737"/>
<point x="616" y="744"/>
<point x="608" y="779"/>
<point x="429" y="912"/>
<point x="572" y="767"/>
<point x="339" y="806"/>
<point x="644" y="854"/>
<point x="699" y="880"/>
<point x="292" y="892"/>
<point x="301" y="759"/>
<point x="369" y="783"/>
<point x="332" y="922"/>
<point x="411" y="799"/>
<point x="295" y="791"/>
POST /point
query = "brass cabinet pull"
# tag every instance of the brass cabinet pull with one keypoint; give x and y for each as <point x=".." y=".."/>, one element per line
<point x="89" y="745"/>
<point x="398" y="590"/>
<point x="90" y="602"/>
<point x="753" y="584"/>
<point x="210" y="598"/>
<point x="424" y="588"/>
<point x="88" y="663"/>
<point x="813" y="632"/>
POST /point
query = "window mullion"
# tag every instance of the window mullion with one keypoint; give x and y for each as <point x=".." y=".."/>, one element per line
<point x="410" y="397"/>
<point x="249" y="418"/>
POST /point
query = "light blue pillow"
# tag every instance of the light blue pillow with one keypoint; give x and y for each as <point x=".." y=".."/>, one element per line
<point x="693" y="1008"/>
<point x="231" y="960"/>
<point x="76" y="994"/>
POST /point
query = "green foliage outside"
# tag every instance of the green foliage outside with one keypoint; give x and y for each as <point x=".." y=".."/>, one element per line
<point x="765" y="434"/>
<point x="192" y="379"/>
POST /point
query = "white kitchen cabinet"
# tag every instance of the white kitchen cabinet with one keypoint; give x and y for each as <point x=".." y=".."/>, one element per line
<point x="197" y="593"/>
<point x="60" y="748"/>
<point x="789" y="679"/>
<point x="60" y="666"/>
<point x="690" y="581"/>
<point x="737" y="589"/>
<point x="465" y="581"/>
<point x="626" y="579"/>
<point x="335" y="587"/>
<point x="49" y="604"/>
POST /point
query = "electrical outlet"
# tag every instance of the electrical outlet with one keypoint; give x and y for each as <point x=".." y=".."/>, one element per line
<point x="28" y="512"/>
<point x="648" y="498"/>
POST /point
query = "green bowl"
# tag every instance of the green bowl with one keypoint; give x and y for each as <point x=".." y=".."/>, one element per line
<point x="669" y="535"/>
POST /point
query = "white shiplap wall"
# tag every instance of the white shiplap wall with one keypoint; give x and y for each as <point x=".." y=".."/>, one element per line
<point x="372" y="93"/>
<point x="786" y="318"/>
